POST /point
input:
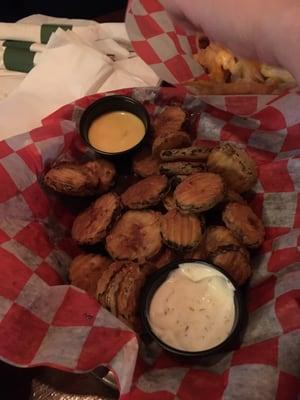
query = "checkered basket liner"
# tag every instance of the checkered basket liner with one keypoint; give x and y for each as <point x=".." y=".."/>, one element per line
<point x="168" y="49"/>
<point x="44" y="321"/>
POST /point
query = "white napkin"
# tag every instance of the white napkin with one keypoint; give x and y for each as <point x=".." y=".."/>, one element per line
<point x="71" y="67"/>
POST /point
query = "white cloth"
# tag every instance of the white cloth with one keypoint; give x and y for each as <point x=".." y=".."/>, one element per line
<point x="72" y="66"/>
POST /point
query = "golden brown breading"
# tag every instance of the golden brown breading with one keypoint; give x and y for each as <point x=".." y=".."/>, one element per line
<point x="109" y="299"/>
<point x="199" y="192"/>
<point x="105" y="277"/>
<point x="194" y="153"/>
<point x="86" y="269"/>
<point x="145" y="164"/>
<point x="105" y="172"/>
<point x="181" y="167"/>
<point x="87" y="179"/>
<point x="71" y="179"/>
<point x="237" y="168"/>
<point x="171" y="115"/>
<point x="219" y="237"/>
<point x="244" y="223"/>
<point x="235" y="263"/>
<point x="180" y="231"/>
<point x="174" y="140"/>
<point x="146" y="193"/>
<point x="92" y="225"/>
<point x="135" y="237"/>
<point x="129" y="293"/>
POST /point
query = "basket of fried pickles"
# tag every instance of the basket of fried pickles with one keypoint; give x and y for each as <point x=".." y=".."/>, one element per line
<point x="186" y="202"/>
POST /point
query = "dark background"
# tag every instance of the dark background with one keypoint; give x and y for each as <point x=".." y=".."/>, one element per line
<point x="12" y="10"/>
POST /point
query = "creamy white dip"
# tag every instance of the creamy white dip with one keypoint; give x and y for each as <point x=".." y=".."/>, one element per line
<point x="193" y="310"/>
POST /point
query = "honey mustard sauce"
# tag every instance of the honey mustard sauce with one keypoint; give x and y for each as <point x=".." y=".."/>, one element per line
<point x="193" y="310"/>
<point x="116" y="131"/>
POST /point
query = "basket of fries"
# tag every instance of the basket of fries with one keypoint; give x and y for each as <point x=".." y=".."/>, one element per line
<point x="203" y="67"/>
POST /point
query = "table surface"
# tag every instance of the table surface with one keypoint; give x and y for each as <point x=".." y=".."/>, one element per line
<point x="17" y="383"/>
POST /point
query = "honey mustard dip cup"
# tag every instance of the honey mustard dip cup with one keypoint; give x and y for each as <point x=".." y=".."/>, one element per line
<point x="121" y="120"/>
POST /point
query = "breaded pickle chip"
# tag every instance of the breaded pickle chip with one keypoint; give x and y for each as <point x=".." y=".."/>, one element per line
<point x="199" y="192"/>
<point x="135" y="237"/>
<point x="105" y="277"/>
<point x="181" y="167"/>
<point x="86" y="269"/>
<point x="105" y="171"/>
<point x="71" y="179"/>
<point x="146" y="193"/>
<point x="236" y="167"/>
<point x="92" y="225"/>
<point x="180" y="231"/>
<point x="193" y="153"/>
<point x="109" y="298"/>
<point x="245" y="224"/>
<point x="235" y="263"/>
<point x="145" y="164"/>
<point x="171" y="117"/>
<point x="129" y="293"/>
<point x="86" y="179"/>
<point x="177" y="139"/>
<point x="219" y="237"/>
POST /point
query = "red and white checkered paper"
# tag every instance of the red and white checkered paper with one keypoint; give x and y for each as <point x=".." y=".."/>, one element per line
<point x="168" y="49"/>
<point x="43" y="321"/>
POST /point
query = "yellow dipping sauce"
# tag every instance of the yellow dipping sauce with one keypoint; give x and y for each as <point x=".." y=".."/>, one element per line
<point x="116" y="131"/>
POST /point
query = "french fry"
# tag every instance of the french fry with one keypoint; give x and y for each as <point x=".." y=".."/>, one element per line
<point x="231" y="88"/>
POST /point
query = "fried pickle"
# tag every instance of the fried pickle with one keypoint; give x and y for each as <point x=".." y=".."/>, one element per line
<point x="199" y="192"/>
<point x="129" y="293"/>
<point x="171" y="116"/>
<point x="244" y="224"/>
<point x="86" y="269"/>
<point x="146" y="193"/>
<point x="235" y="263"/>
<point x="177" y="139"/>
<point x="236" y="167"/>
<point x="71" y="179"/>
<point x="135" y="237"/>
<point x="180" y="231"/>
<point x="104" y="279"/>
<point x="194" y="153"/>
<point x="109" y="298"/>
<point x="145" y="164"/>
<point x="219" y="237"/>
<point x="93" y="177"/>
<point x="92" y="225"/>
<point x="181" y="167"/>
<point x="105" y="172"/>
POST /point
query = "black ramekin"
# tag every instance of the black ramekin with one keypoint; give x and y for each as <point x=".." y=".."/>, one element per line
<point x="153" y="283"/>
<point x="109" y="104"/>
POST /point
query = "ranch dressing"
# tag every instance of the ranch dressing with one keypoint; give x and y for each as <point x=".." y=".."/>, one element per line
<point x="193" y="310"/>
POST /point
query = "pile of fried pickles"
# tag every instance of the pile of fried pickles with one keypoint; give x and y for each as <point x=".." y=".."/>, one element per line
<point x="164" y="216"/>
